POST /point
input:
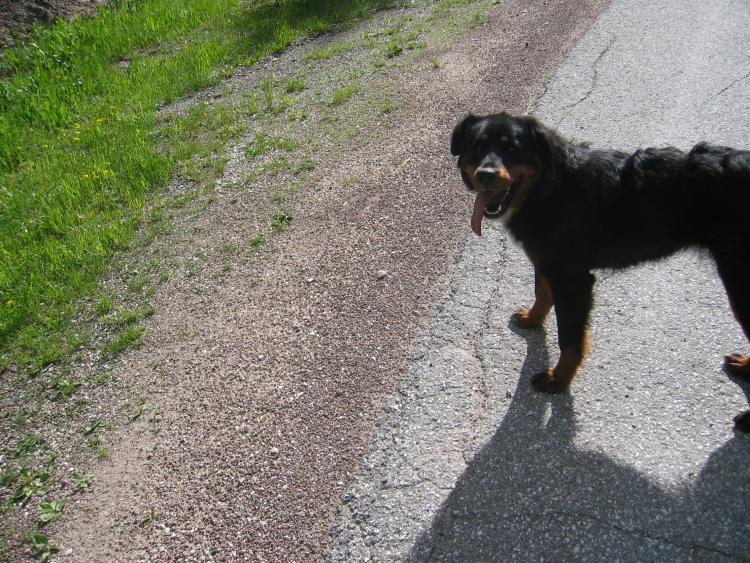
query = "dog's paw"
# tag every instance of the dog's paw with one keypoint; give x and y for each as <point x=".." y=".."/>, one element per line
<point x="742" y="422"/>
<point x="524" y="319"/>
<point x="548" y="383"/>
<point x="737" y="364"/>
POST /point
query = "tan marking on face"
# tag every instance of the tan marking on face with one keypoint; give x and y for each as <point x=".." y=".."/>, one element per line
<point x="504" y="179"/>
<point x="504" y="139"/>
<point x="504" y="175"/>
<point x="484" y="136"/>
<point x="530" y="176"/>
<point x="471" y="172"/>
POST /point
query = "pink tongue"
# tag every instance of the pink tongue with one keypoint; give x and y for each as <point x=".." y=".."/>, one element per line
<point x="478" y="213"/>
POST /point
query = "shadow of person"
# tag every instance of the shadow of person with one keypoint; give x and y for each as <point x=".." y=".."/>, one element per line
<point x="532" y="494"/>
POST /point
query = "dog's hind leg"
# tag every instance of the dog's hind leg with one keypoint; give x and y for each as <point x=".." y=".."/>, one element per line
<point x="573" y="300"/>
<point x="735" y="274"/>
<point x="736" y="279"/>
<point x="529" y="318"/>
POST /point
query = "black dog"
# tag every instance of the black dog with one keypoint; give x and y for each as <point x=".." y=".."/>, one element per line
<point x="574" y="209"/>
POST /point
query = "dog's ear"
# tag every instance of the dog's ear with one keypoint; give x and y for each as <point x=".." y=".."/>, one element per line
<point x="459" y="133"/>
<point x="545" y="142"/>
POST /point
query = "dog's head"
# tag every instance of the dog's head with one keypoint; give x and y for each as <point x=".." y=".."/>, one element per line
<point x="502" y="158"/>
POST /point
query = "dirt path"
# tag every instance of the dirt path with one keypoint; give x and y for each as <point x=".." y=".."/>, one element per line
<point x="265" y="375"/>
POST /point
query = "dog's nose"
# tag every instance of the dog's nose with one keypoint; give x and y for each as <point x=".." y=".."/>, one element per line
<point x="487" y="176"/>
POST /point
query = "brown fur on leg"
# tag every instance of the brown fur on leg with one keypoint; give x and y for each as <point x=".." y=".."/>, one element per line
<point x="737" y="364"/>
<point x="533" y="317"/>
<point x="558" y="378"/>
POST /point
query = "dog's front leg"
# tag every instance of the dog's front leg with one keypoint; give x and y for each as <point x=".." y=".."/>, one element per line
<point x="543" y="301"/>
<point x="572" y="294"/>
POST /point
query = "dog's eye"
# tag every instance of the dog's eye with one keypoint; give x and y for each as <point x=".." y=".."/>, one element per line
<point x="508" y="145"/>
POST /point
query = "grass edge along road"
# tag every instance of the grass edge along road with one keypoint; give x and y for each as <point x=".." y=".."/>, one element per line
<point x="80" y="177"/>
<point x="80" y="148"/>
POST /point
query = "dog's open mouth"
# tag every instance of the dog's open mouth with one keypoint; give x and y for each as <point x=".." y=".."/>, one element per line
<point x="492" y="204"/>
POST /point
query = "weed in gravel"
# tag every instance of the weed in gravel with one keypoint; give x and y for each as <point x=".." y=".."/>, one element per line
<point x="98" y="377"/>
<point x="130" y="336"/>
<point x="146" y="518"/>
<point x="27" y="445"/>
<point x="50" y="511"/>
<point x="83" y="483"/>
<point x="342" y="94"/>
<point x="280" y="221"/>
<point x="322" y="53"/>
<point x="30" y="484"/>
<point x="41" y="543"/>
<point x="393" y="49"/>
<point x="294" y="85"/>
<point x="478" y="19"/>
<point x="227" y="248"/>
<point x="76" y="407"/>
<point x="124" y="317"/>
<point x="63" y="388"/>
<point x="257" y="241"/>
<point x="264" y="144"/>
<point x="91" y="426"/>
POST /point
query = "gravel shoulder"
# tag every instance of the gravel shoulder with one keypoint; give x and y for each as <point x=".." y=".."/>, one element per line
<point x="263" y="370"/>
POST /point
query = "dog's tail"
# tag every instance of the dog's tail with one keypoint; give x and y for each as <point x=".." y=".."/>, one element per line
<point x="718" y="161"/>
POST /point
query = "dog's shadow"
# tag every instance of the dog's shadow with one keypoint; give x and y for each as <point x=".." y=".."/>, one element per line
<point x="531" y="494"/>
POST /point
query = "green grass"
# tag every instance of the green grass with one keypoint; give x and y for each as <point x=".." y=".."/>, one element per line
<point x="327" y="52"/>
<point x="82" y="148"/>
<point x="264" y="143"/>
<point x="342" y="94"/>
<point x="91" y="167"/>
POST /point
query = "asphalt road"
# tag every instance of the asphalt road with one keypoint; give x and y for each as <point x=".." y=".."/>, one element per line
<point x="639" y="461"/>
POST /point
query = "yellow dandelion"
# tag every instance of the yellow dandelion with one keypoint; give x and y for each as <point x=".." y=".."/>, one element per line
<point x="9" y="302"/>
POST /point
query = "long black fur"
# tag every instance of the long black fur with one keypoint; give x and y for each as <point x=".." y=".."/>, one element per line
<point x="580" y="209"/>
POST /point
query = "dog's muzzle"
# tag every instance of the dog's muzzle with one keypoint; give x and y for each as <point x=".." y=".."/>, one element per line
<point x="492" y="203"/>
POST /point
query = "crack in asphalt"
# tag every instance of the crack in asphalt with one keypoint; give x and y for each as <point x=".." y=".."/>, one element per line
<point x="731" y="84"/>
<point x="594" y="80"/>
